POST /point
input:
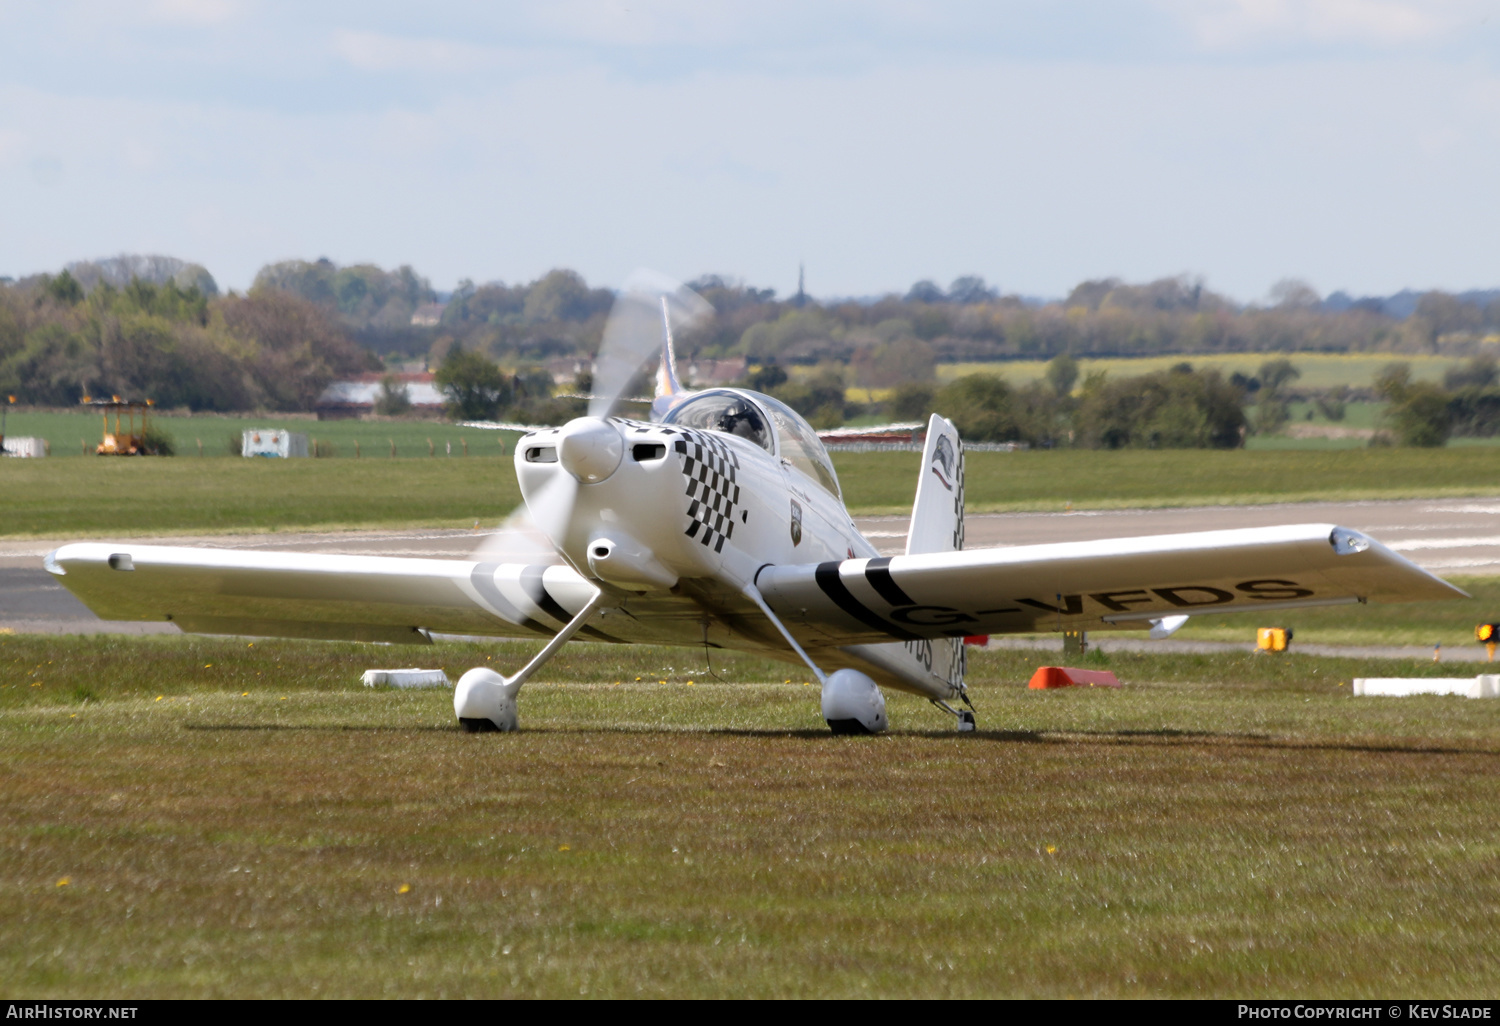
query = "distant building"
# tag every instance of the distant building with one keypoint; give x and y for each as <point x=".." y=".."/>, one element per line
<point x="428" y="315"/>
<point x="273" y="442"/>
<point x="880" y="436"/>
<point x="26" y="448"/>
<point x="356" y="397"/>
<point x="712" y="372"/>
<point x="565" y="369"/>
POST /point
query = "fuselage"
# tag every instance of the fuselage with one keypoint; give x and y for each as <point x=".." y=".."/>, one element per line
<point x="727" y="483"/>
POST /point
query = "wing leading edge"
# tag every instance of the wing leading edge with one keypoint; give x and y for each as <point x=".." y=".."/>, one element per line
<point x="302" y="595"/>
<point x="1120" y="583"/>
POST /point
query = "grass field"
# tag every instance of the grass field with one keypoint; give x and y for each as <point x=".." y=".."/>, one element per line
<point x="76" y="434"/>
<point x="202" y="818"/>
<point x="185" y="494"/>
<point x="884" y="482"/>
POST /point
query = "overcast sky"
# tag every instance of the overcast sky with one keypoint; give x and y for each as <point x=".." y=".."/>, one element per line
<point x="1353" y="143"/>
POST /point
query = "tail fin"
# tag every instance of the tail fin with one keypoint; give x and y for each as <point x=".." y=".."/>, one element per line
<point x="937" y="517"/>
<point x="668" y="387"/>
<point x="937" y="524"/>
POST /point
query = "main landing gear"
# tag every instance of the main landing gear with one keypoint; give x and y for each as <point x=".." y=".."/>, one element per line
<point x="852" y="701"/>
<point x="484" y="700"/>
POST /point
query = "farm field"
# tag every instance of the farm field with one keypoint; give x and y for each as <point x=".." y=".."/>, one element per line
<point x="186" y="494"/>
<point x="1319" y="370"/>
<point x="210" y="818"/>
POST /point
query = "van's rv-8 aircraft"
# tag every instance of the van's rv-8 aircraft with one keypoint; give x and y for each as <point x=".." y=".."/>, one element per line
<point x="718" y="522"/>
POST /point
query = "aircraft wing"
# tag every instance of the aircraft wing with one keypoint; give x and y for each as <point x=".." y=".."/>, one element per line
<point x="1120" y="583"/>
<point x="302" y="595"/>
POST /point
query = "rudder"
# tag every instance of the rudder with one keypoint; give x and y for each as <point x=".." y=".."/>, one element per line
<point x="937" y="523"/>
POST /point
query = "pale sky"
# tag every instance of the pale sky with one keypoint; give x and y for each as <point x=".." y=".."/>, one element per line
<point x="1353" y="143"/>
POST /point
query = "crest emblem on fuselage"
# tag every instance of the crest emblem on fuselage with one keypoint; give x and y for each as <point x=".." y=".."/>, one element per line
<point x="796" y="523"/>
<point x="942" y="461"/>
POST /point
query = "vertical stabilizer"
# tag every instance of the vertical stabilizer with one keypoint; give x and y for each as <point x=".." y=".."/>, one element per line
<point x="668" y="388"/>
<point x="937" y="517"/>
<point x="937" y="523"/>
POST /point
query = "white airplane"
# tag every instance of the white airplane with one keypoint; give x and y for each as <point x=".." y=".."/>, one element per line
<point x="719" y="523"/>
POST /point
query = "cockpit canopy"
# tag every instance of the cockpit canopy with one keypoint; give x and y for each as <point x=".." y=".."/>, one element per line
<point x="770" y="424"/>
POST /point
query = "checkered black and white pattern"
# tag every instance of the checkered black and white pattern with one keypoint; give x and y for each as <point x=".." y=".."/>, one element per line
<point x="710" y="467"/>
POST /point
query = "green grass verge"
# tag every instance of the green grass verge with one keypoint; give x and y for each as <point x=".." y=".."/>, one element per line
<point x="187" y="494"/>
<point x="76" y="434"/>
<point x="1088" y="479"/>
<point x="1220" y="827"/>
<point x="183" y="495"/>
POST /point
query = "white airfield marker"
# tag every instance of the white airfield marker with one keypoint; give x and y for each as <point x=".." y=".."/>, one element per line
<point x="1486" y="685"/>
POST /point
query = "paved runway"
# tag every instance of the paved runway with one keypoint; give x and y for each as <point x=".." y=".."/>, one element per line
<point x="1447" y="536"/>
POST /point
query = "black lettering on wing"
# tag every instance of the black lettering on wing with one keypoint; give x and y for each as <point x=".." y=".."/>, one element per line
<point x="929" y="616"/>
<point x="1274" y="591"/>
<point x="1120" y="601"/>
<point x="1216" y="596"/>
<point x="1071" y="605"/>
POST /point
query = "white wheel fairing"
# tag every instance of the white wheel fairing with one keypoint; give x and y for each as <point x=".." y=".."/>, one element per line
<point x="850" y="698"/>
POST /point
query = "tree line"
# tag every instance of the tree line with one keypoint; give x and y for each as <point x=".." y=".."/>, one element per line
<point x="158" y="327"/>
<point x="178" y="346"/>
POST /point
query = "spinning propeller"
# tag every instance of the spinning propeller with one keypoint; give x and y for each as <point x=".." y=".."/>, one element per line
<point x="646" y="311"/>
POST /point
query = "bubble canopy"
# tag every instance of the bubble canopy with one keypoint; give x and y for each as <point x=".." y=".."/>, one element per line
<point x="767" y="422"/>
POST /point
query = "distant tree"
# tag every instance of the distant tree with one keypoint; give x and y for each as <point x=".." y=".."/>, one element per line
<point x="65" y="289"/>
<point x="926" y="291"/>
<point x="1332" y="404"/>
<point x="1062" y="374"/>
<point x="913" y="401"/>
<point x="295" y="348"/>
<point x="890" y="364"/>
<point x="475" y="385"/>
<point x="1294" y="294"/>
<point x="1171" y="410"/>
<point x="563" y="295"/>
<point x="819" y="398"/>
<point x="1275" y="373"/>
<point x="1393" y="381"/>
<point x="766" y="378"/>
<point x="1478" y="372"/>
<point x="1091" y="294"/>
<point x="971" y="289"/>
<point x="983" y="408"/>
<point x="394" y="398"/>
<point x="1422" y="417"/>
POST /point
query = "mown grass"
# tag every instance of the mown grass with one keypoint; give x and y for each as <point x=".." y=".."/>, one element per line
<point x="1219" y="827"/>
<point x="1088" y="479"/>
<point x="186" y="494"/>
<point x="162" y="496"/>
<point x="77" y="433"/>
